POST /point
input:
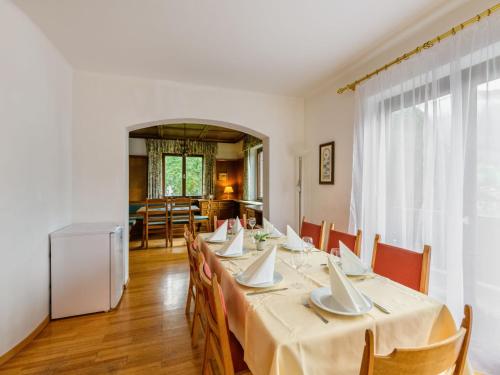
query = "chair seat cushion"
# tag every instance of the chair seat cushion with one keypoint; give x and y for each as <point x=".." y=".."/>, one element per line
<point x="200" y="217"/>
<point x="150" y="224"/>
<point x="181" y="221"/>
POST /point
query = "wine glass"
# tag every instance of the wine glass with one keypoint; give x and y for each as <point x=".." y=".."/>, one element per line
<point x="298" y="259"/>
<point x="230" y="225"/>
<point x="252" y="222"/>
<point x="307" y="246"/>
<point x="335" y="251"/>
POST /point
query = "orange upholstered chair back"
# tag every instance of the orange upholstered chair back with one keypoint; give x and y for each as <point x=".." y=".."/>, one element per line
<point x="352" y="241"/>
<point x="401" y="265"/>
<point x="315" y="231"/>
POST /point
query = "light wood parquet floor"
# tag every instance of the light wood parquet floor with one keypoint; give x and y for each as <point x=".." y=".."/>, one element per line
<point x="147" y="334"/>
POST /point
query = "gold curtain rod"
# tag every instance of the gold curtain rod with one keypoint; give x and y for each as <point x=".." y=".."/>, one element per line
<point x="352" y="86"/>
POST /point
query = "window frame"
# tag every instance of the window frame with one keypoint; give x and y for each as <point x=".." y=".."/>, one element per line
<point x="259" y="174"/>
<point x="183" y="177"/>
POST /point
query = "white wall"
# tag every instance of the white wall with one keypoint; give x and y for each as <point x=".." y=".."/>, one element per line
<point x="330" y="116"/>
<point x="137" y="146"/>
<point x="105" y="107"/>
<point x="35" y="169"/>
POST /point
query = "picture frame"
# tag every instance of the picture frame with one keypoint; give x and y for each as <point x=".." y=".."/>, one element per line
<point x="222" y="177"/>
<point x="327" y="163"/>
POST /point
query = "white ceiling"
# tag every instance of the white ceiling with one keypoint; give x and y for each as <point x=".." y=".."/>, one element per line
<point x="276" y="46"/>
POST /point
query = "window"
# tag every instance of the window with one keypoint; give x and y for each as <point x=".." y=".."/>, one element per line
<point x="260" y="174"/>
<point x="182" y="175"/>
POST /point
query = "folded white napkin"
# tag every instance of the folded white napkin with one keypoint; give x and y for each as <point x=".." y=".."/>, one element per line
<point x="235" y="246"/>
<point x="343" y="290"/>
<point x="220" y="233"/>
<point x="271" y="229"/>
<point x="351" y="264"/>
<point x="237" y="225"/>
<point x="293" y="241"/>
<point x="262" y="270"/>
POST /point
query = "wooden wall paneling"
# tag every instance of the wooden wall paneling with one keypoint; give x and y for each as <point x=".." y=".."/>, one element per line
<point x="138" y="178"/>
<point x="234" y="172"/>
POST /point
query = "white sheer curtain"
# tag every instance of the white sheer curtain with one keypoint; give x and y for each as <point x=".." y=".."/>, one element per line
<point x="426" y="170"/>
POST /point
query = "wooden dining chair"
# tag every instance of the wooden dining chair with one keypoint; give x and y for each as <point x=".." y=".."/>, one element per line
<point x="218" y="222"/>
<point x="437" y="358"/>
<point x="353" y="242"/>
<point x="191" y="296"/>
<point x="315" y="231"/>
<point x="180" y="214"/>
<point x="401" y="265"/>
<point x="156" y="219"/>
<point x="203" y="219"/>
<point x="199" y="323"/>
<point x="223" y="353"/>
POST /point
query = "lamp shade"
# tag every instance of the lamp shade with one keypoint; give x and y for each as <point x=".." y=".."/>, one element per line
<point x="228" y="189"/>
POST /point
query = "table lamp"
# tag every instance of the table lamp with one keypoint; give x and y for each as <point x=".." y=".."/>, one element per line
<point x="228" y="190"/>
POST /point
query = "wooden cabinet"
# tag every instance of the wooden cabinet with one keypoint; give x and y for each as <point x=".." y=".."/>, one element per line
<point x="223" y="209"/>
<point x="254" y="211"/>
<point x="226" y="209"/>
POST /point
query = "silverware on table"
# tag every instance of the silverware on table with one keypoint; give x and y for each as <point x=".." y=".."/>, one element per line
<point x="266" y="291"/>
<point x="381" y="308"/>
<point x="307" y="305"/>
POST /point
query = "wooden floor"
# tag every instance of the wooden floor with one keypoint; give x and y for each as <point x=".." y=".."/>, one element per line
<point x="147" y="334"/>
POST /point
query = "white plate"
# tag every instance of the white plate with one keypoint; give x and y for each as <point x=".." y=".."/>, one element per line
<point x="322" y="297"/>
<point x="218" y="253"/>
<point x="364" y="273"/>
<point x="274" y="237"/>
<point x="278" y="277"/>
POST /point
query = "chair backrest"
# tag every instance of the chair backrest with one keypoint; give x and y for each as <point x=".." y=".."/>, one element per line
<point x="315" y="231"/>
<point x="353" y="242"/>
<point x="216" y="314"/>
<point x="433" y="359"/>
<point x="156" y="211"/>
<point x="218" y="222"/>
<point x="180" y="208"/>
<point x="188" y="236"/>
<point x="401" y="265"/>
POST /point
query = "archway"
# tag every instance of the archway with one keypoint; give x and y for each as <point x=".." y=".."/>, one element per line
<point x="225" y="124"/>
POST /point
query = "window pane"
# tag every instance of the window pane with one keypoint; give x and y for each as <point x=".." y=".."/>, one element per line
<point x="194" y="175"/>
<point x="173" y="175"/>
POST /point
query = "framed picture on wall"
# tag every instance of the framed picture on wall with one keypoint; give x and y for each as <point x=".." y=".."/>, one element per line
<point x="326" y="163"/>
<point x="222" y="177"/>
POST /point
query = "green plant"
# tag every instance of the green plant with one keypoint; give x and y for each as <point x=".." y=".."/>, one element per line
<point x="261" y="237"/>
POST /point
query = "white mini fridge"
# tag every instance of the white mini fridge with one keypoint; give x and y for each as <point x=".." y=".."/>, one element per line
<point x="86" y="269"/>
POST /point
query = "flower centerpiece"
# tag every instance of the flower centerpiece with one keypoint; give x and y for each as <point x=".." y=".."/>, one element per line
<point x="260" y="239"/>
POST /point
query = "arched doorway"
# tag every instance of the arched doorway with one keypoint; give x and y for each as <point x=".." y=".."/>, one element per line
<point x="240" y="128"/>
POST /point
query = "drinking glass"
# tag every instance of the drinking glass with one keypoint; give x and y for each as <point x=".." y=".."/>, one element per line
<point x="298" y="259"/>
<point x="230" y="225"/>
<point x="307" y="246"/>
<point x="252" y="222"/>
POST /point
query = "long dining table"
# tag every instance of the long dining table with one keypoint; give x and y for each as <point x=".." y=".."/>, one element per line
<point x="281" y="336"/>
